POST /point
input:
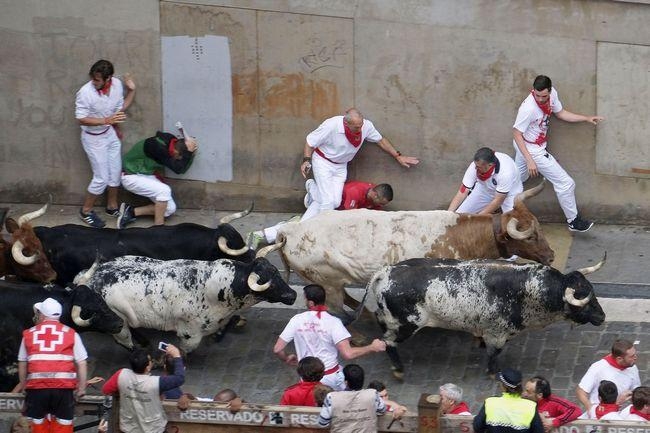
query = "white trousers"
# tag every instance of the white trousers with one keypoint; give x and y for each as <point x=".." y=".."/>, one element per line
<point x="329" y="178"/>
<point x="104" y="154"/>
<point x="271" y="233"/>
<point x="548" y="167"/>
<point x="148" y="185"/>
<point x="481" y="197"/>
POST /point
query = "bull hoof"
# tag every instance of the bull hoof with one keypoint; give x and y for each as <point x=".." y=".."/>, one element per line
<point x="399" y="375"/>
<point x="241" y="322"/>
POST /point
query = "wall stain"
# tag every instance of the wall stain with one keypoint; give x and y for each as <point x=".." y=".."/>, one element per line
<point x="291" y="95"/>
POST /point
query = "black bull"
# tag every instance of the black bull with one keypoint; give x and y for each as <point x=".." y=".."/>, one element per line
<point x="72" y="248"/>
<point x="16" y="315"/>
<point x="491" y="299"/>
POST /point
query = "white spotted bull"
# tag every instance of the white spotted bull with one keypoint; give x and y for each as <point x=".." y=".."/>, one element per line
<point x="194" y="298"/>
<point x="340" y="248"/>
<point x="491" y="299"/>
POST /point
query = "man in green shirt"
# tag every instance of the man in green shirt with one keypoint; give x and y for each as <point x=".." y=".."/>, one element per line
<point x="143" y="169"/>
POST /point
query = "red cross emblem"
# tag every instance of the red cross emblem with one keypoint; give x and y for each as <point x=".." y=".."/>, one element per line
<point x="47" y="338"/>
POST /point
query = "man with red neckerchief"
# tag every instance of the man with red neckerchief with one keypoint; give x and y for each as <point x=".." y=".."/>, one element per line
<point x="330" y="147"/>
<point x="46" y="369"/>
<point x="618" y="367"/>
<point x="318" y="333"/>
<point x="451" y="396"/>
<point x="493" y="181"/>
<point x="607" y="408"/>
<point x="553" y="410"/>
<point x="532" y="158"/>
<point x="640" y="408"/>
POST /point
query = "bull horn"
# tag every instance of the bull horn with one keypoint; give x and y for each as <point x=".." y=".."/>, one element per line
<point x="511" y="228"/>
<point x="83" y="278"/>
<point x="228" y="218"/>
<point x="76" y="317"/>
<point x="268" y="249"/>
<point x="32" y="215"/>
<point x="532" y="192"/>
<point x="223" y="246"/>
<point x="570" y="298"/>
<point x="19" y="257"/>
<point x="253" y="278"/>
<point x="594" y="268"/>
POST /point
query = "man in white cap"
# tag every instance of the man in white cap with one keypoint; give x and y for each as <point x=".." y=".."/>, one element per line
<point x="46" y="369"/>
<point x="509" y="413"/>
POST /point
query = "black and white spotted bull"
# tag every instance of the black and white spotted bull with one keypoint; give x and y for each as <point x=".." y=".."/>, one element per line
<point x="491" y="299"/>
<point x="45" y="254"/>
<point x="336" y="249"/>
<point x="194" y="298"/>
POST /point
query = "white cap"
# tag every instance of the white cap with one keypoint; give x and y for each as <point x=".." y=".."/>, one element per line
<point x="49" y="308"/>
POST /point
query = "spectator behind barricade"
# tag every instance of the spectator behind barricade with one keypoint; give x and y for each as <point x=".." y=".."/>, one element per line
<point x="140" y="405"/>
<point x="168" y="368"/>
<point x="640" y="408"/>
<point x="352" y="410"/>
<point x="391" y="406"/>
<point x="607" y="408"/>
<point x="320" y="392"/>
<point x="618" y="367"/>
<point x="451" y="403"/>
<point x="554" y="411"/>
<point x="229" y="396"/>
<point x="510" y="412"/>
<point x="310" y="369"/>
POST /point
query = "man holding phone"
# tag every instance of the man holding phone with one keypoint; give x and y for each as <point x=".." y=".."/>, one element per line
<point x="140" y="405"/>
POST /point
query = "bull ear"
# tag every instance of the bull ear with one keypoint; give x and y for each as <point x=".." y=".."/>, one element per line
<point x="11" y="225"/>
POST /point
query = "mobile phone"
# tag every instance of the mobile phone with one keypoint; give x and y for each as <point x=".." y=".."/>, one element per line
<point x="163" y="346"/>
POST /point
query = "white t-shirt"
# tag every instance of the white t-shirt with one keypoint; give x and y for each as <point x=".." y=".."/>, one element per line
<point x="330" y="138"/>
<point x="533" y="123"/>
<point x="503" y="181"/>
<point x="591" y="414"/>
<point x="316" y="337"/>
<point x="627" y="416"/>
<point x="625" y="380"/>
<point x="90" y="103"/>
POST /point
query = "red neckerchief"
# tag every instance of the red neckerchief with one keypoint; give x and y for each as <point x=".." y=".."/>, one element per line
<point x="487" y="174"/>
<point x="172" y="146"/>
<point x="605" y="408"/>
<point x="546" y="108"/>
<point x="318" y="309"/>
<point x="107" y="87"/>
<point x="611" y="361"/>
<point x="462" y="407"/>
<point x="353" y="137"/>
<point x="641" y="414"/>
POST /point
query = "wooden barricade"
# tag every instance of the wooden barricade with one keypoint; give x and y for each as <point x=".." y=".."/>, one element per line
<point x="210" y="417"/>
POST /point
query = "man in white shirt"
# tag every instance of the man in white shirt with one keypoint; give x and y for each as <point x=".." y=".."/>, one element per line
<point x="532" y="158"/>
<point x="318" y="333"/>
<point x="492" y="179"/>
<point x="618" y="367"/>
<point x="99" y="107"/>
<point x="640" y="408"/>
<point x="330" y="147"/>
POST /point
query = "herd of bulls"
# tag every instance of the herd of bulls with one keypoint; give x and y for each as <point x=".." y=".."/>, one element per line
<point x="192" y="279"/>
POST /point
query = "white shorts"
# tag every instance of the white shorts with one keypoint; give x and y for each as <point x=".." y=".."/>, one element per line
<point x="148" y="185"/>
<point x="104" y="154"/>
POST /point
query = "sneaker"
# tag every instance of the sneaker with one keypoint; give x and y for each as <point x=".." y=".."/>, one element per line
<point x="255" y="239"/>
<point x="113" y="212"/>
<point x="127" y="216"/>
<point x="91" y="219"/>
<point x="580" y="225"/>
<point x="308" y="198"/>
